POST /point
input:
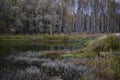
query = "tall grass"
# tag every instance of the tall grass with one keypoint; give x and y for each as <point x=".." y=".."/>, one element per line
<point x="81" y="65"/>
<point x="110" y="43"/>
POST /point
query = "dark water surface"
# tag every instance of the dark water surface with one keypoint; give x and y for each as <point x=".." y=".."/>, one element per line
<point x="15" y="46"/>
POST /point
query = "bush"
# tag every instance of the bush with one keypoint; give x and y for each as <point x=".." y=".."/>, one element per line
<point x="110" y="43"/>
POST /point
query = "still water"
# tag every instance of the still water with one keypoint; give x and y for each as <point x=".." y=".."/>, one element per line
<point x="8" y="47"/>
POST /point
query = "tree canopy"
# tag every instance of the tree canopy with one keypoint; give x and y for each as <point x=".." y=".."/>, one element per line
<point x="59" y="16"/>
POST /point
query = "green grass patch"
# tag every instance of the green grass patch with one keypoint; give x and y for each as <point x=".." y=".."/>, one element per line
<point x="71" y="55"/>
<point x="93" y="47"/>
<point x="45" y="37"/>
<point x="53" y="54"/>
<point x="109" y="44"/>
<point x="40" y="37"/>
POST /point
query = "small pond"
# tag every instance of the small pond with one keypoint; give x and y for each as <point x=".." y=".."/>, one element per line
<point x="8" y="47"/>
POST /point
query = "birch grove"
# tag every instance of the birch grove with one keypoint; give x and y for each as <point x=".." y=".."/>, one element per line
<point x="59" y="16"/>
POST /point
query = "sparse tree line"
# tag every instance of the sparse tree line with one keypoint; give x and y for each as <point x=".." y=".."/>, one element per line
<point x="59" y="16"/>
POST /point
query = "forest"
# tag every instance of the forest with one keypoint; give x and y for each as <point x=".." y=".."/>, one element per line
<point x="59" y="16"/>
<point x="59" y="39"/>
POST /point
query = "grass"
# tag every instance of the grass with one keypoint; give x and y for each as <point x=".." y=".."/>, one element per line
<point x="91" y="46"/>
<point x="84" y="64"/>
<point x="53" y="54"/>
<point x="19" y="43"/>
<point x="44" y="37"/>
<point x="71" y="55"/>
<point x="94" y="47"/>
<point x="104" y="66"/>
<point x="107" y="66"/>
<point x="111" y="43"/>
<point x="35" y="37"/>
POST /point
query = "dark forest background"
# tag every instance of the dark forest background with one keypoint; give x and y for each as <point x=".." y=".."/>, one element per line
<point x="59" y="16"/>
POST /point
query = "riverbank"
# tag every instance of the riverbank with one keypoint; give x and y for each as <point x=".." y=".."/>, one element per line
<point x="74" y="36"/>
<point x="94" y="58"/>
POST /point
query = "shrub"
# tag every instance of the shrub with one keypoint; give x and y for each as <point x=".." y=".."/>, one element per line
<point x="110" y="43"/>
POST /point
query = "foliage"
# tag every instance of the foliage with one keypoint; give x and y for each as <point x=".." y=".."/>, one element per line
<point x="110" y="43"/>
<point x="58" y="16"/>
<point x="84" y="64"/>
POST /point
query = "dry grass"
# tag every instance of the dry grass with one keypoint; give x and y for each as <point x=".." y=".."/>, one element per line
<point x="53" y="54"/>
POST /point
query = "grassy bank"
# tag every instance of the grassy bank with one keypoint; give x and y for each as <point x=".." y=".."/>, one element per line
<point x="86" y="63"/>
<point x="101" y="54"/>
<point x="17" y="43"/>
<point x="46" y="37"/>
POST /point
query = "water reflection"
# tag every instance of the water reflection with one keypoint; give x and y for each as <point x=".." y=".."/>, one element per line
<point x="11" y="46"/>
